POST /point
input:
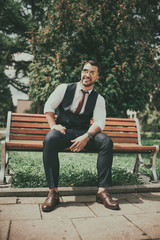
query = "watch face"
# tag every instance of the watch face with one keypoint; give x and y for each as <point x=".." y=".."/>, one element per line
<point x="90" y="136"/>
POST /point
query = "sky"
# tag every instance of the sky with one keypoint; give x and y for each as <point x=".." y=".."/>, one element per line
<point x="11" y="72"/>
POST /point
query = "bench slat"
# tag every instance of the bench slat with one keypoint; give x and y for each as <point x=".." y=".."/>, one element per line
<point x="124" y="140"/>
<point x="24" y="145"/>
<point x="29" y="131"/>
<point x="29" y="125"/>
<point x="28" y="115"/>
<point x="27" y="137"/>
<point x="38" y="145"/>
<point x="120" y="129"/>
<point x="117" y="123"/>
<point x="133" y="148"/>
<point x="39" y="137"/>
<point x="45" y="131"/>
<point x="29" y="119"/>
<point x="121" y="119"/>
<point x="43" y="116"/>
<point x="120" y="134"/>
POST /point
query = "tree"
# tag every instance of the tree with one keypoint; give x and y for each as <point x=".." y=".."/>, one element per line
<point x="5" y="100"/>
<point x="17" y="19"/>
<point x="112" y="32"/>
<point x="13" y="27"/>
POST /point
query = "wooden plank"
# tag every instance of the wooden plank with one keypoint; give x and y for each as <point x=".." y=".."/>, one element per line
<point x="29" y="131"/>
<point x="29" y="115"/>
<point x="121" y="119"/>
<point x="133" y="148"/>
<point x="41" y="137"/>
<point x="127" y="124"/>
<point x="45" y="131"/>
<point x="125" y="140"/>
<point x="27" y="137"/>
<point x="29" y="119"/>
<point x="30" y="125"/>
<point x="120" y="129"/>
<point x="20" y="145"/>
<point x="124" y="135"/>
<point x="38" y="145"/>
<point x="43" y="116"/>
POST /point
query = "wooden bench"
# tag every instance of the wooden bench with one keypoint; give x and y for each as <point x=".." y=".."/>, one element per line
<point x="25" y="132"/>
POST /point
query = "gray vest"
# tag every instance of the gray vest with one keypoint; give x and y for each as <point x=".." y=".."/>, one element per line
<point x="73" y="120"/>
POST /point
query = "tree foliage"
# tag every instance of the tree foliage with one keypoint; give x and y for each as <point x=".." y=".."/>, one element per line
<point x="121" y="35"/>
<point x="17" y="19"/>
<point x="13" y="28"/>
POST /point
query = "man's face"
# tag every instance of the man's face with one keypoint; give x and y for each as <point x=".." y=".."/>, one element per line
<point x="89" y="75"/>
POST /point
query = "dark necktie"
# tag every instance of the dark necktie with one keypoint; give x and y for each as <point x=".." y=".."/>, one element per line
<point x="81" y="102"/>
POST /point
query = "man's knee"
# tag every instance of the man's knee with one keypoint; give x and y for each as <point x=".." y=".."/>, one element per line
<point x="103" y="140"/>
<point x="53" y="138"/>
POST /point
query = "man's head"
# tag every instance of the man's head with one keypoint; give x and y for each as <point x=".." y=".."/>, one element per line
<point x="93" y="63"/>
<point x="90" y="73"/>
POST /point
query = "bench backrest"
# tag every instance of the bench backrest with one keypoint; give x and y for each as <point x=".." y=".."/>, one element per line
<point x="34" y="127"/>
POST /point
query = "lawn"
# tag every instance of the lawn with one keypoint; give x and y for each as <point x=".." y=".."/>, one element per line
<point x="76" y="169"/>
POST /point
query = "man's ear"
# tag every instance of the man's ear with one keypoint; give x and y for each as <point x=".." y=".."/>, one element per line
<point x="97" y="78"/>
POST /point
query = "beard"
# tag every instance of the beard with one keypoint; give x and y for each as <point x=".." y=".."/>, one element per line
<point x="87" y="82"/>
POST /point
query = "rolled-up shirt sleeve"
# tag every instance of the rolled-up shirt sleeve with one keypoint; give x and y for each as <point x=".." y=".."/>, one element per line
<point x="99" y="113"/>
<point x="55" y="98"/>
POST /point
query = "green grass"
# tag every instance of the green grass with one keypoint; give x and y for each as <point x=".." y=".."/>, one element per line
<point x="76" y="169"/>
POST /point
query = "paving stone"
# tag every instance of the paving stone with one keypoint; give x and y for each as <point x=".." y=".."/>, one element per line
<point x="69" y="210"/>
<point x="40" y="230"/>
<point x="4" y="227"/>
<point x="147" y="205"/>
<point x="8" y="200"/>
<point x="79" y="199"/>
<point x="20" y="211"/>
<point x="114" y="228"/>
<point x="30" y="200"/>
<point x="126" y="196"/>
<point x="149" y="223"/>
<point x="125" y="208"/>
<point x="151" y="195"/>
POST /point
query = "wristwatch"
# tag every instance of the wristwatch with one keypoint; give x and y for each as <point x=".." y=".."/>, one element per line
<point x="90" y="135"/>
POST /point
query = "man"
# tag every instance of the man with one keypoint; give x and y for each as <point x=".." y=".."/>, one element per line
<point x="77" y="103"/>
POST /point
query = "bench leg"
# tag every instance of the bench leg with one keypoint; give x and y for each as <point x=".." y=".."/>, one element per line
<point x="3" y="163"/>
<point x="153" y="165"/>
<point x="7" y="164"/>
<point x="137" y="163"/>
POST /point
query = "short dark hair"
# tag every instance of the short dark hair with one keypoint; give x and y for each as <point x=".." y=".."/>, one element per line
<point x="93" y="63"/>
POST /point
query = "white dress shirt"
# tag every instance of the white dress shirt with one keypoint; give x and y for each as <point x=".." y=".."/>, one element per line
<point x="55" y="99"/>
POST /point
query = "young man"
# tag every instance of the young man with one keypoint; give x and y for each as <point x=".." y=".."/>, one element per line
<point x="77" y="103"/>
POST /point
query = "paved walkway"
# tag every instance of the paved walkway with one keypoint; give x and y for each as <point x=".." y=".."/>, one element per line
<point x="81" y="218"/>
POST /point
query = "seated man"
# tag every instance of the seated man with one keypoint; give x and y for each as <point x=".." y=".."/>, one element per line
<point x="78" y="103"/>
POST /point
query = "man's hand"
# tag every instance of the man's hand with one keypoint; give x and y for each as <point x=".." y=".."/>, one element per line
<point x="79" y="143"/>
<point x="59" y="128"/>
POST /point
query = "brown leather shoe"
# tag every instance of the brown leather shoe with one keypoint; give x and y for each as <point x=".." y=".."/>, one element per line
<point x="51" y="201"/>
<point x="105" y="198"/>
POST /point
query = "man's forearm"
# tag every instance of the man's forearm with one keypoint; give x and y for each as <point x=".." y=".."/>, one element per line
<point x="51" y="119"/>
<point x="52" y="123"/>
<point x="94" y="129"/>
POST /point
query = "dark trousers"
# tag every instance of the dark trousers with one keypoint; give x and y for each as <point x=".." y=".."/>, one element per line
<point x="55" y="141"/>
